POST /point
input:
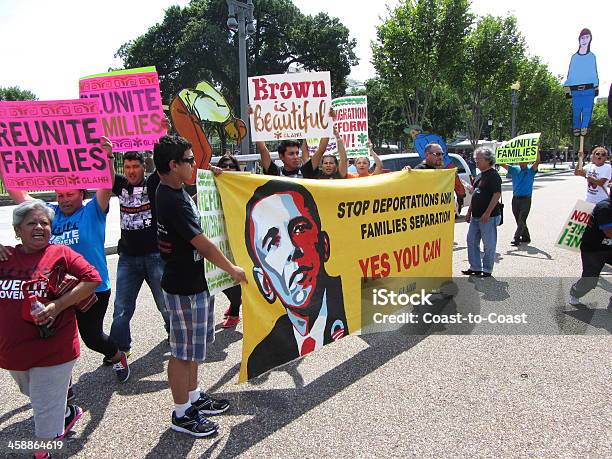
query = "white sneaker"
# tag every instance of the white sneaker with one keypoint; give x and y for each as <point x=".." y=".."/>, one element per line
<point x="574" y="301"/>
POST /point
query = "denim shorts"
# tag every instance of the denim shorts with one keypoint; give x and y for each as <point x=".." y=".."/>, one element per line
<point x="192" y="324"/>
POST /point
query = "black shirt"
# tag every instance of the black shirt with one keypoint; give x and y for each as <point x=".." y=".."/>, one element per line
<point x="178" y="222"/>
<point x="485" y="186"/>
<point x="305" y="171"/>
<point x="137" y="213"/>
<point x="594" y="238"/>
<point x="424" y="165"/>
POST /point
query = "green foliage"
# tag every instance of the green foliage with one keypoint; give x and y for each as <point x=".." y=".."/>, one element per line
<point x="194" y="43"/>
<point x="419" y="47"/>
<point x="601" y="127"/>
<point x="494" y="51"/>
<point x="385" y="122"/>
<point x="16" y="93"/>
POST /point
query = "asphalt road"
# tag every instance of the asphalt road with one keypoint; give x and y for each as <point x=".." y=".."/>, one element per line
<point x="391" y="394"/>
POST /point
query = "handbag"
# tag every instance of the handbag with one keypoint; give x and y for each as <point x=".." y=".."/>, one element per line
<point x="500" y="206"/>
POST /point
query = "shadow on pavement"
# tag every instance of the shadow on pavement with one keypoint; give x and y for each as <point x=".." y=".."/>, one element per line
<point x="529" y="251"/>
<point x="491" y="288"/>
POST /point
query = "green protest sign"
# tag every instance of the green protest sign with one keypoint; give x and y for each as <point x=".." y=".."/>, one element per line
<point x="521" y="149"/>
<point x="213" y="225"/>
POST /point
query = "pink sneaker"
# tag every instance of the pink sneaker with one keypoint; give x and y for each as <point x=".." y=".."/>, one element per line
<point x="230" y="322"/>
<point x="75" y="413"/>
<point x="226" y="312"/>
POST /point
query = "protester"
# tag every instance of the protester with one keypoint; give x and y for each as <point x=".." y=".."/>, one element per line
<point x="231" y="316"/>
<point x="139" y="258"/>
<point x="522" y="189"/>
<point x="190" y="307"/>
<point x="331" y="167"/>
<point x="483" y="215"/>
<point x="597" y="174"/>
<point x="362" y="165"/>
<point x="83" y="228"/>
<point x="41" y="367"/>
<point x="433" y="158"/>
<point x="595" y="251"/>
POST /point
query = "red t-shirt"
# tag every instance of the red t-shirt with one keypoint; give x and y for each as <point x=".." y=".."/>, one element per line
<point x="21" y="346"/>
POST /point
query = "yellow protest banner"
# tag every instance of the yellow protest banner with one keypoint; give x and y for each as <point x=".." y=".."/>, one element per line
<point x="521" y="149"/>
<point x="307" y="245"/>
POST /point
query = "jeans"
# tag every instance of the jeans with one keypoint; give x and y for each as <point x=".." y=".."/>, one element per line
<point x="582" y="107"/>
<point x="131" y="272"/>
<point x="592" y="264"/>
<point x="521" y="205"/>
<point x="488" y="234"/>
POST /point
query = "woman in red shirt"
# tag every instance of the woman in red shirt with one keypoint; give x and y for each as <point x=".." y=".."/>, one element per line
<point x="41" y="366"/>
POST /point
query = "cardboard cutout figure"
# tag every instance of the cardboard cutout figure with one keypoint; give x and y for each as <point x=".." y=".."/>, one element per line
<point x="582" y="85"/>
<point x="191" y="108"/>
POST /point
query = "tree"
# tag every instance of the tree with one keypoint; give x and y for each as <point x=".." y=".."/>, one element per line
<point x="193" y="43"/>
<point x="385" y="121"/>
<point x="601" y="126"/>
<point x="494" y="50"/>
<point x="16" y="93"/>
<point x="420" y="47"/>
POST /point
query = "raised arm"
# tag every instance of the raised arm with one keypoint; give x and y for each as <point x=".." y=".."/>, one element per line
<point x="342" y="159"/>
<point x="377" y="161"/>
<point x="535" y="165"/>
<point x="103" y="195"/>
<point x="305" y="152"/>
<point x="579" y="169"/>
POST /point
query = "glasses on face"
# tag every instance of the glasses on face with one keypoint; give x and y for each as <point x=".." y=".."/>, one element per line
<point x="229" y="166"/>
<point x="189" y="160"/>
<point x="601" y="155"/>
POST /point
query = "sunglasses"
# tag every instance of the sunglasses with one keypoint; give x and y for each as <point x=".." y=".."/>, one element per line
<point x="600" y="155"/>
<point x="227" y="166"/>
<point x="190" y="160"/>
<point x="436" y="154"/>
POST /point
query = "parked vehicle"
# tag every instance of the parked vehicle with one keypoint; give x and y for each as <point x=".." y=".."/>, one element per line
<point x="397" y="162"/>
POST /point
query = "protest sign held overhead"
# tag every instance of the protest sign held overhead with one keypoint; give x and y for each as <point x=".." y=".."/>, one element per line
<point x="52" y="145"/>
<point x="521" y="149"/>
<point x="352" y="123"/>
<point x="291" y="106"/>
<point x="575" y="226"/>
<point x="131" y="110"/>
<point x="308" y="247"/>
<point x="213" y="225"/>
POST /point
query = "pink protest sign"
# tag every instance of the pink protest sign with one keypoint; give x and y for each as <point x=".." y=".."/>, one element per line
<point x="52" y="145"/>
<point x="131" y="110"/>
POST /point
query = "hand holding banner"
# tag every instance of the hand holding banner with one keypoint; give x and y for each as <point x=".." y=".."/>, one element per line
<point x="521" y="149"/>
<point x="292" y="106"/>
<point x="575" y="226"/>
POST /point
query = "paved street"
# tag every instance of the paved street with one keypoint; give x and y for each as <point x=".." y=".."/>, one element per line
<point x="377" y="395"/>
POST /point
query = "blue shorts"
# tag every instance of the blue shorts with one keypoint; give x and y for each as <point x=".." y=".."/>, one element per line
<point x="192" y="324"/>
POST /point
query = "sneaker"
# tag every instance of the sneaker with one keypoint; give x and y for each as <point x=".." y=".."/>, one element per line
<point x="230" y="322"/>
<point x="74" y="414"/>
<point x="526" y="240"/>
<point x="515" y="243"/>
<point x="485" y="274"/>
<point x="122" y="368"/>
<point x="209" y="406"/>
<point x="471" y="272"/>
<point x="193" y="423"/>
<point x="574" y="301"/>
<point x="71" y="395"/>
<point x="227" y="312"/>
<point x="108" y="362"/>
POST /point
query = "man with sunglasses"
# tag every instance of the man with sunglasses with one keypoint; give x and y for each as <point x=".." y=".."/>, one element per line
<point x="433" y="157"/>
<point x="190" y="307"/>
<point x="597" y="175"/>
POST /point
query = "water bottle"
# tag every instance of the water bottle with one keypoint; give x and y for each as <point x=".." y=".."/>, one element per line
<point x="36" y="307"/>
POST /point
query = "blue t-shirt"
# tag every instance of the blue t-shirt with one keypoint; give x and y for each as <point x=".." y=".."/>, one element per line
<point x="582" y="70"/>
<point x="522" y="180"/>
<point x="84" y="231"/>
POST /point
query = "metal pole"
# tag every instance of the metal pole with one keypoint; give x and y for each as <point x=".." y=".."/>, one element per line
<point x="244" y="95"/>
<point x="514" y="104"/>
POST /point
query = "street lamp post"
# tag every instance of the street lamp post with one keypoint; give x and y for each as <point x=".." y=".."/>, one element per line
<point x="241" y="20"/>
<point x="515" y="89"/>
<point x="490" y="124"/>
<point x="501" y="127"/>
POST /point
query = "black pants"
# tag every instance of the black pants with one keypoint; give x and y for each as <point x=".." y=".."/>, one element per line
<point x="90" y="327"/>
<point x="234" y="295"/>
<point x="592" y="264"/>
<point x="521" y="205"/>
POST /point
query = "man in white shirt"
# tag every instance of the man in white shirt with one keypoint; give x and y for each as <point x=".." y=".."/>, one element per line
<point x="597" y="174"/>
